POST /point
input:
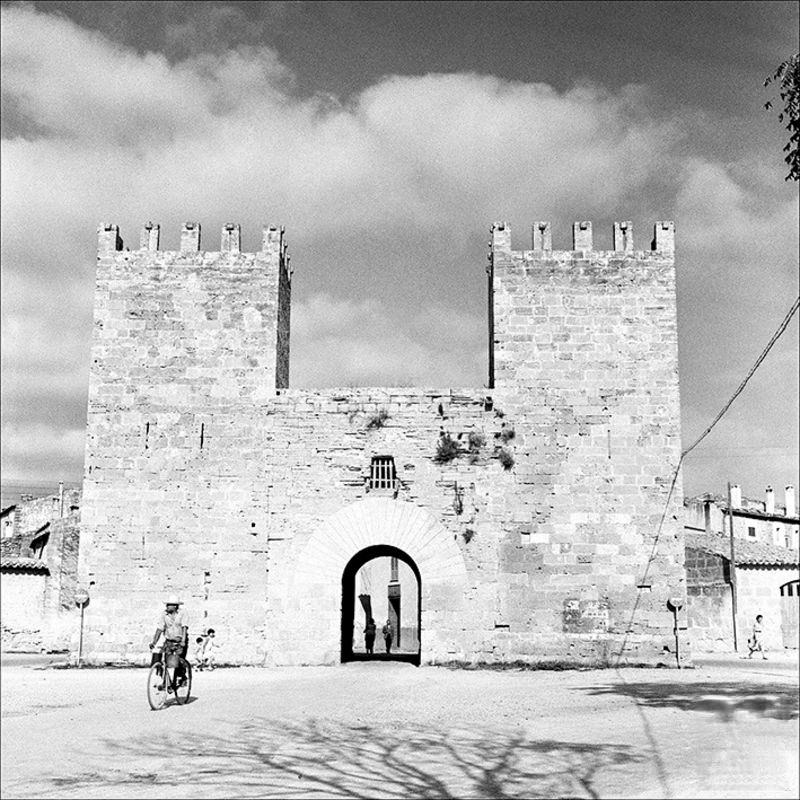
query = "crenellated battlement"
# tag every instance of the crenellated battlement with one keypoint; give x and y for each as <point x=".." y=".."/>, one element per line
<point x="158" y="310"/>
<point x="563" y="315"/>
<point x="273" y="240"/>
<point x="527" y="503"/>
<point x="663" y="241"/>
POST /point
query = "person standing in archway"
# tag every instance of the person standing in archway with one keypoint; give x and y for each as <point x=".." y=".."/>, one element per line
<point x="388" y="635"/>
<point x="369" y="635"/>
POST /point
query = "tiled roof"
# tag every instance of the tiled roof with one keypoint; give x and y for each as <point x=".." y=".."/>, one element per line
<point x="21" y="563"/>
<point x="13" y="546"/>
<point x="753" y="553"/>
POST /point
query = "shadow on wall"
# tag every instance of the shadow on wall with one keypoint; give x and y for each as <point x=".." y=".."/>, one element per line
<point x="328" y="759"/>
<point x="772" y="701"/>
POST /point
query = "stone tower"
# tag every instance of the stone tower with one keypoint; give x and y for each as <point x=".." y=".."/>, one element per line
<point x="585" y="359"/>
<point x="186" y="345"/>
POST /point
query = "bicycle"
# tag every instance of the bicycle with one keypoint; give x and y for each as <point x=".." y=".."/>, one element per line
<point x="163" y="681"/>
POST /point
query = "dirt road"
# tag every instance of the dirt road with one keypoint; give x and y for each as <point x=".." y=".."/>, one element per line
<point x="726" y="729"/>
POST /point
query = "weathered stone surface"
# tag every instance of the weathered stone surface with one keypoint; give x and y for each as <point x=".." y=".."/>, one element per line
<point x="207" y="477"/>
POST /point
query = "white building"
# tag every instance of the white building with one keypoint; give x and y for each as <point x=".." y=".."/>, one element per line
<point x="753" y="520"/>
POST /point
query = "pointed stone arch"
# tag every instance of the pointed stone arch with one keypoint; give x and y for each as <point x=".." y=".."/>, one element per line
<point x="317" y="579"/>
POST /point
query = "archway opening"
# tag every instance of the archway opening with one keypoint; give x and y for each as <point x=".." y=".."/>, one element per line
<point x="381" y="583"/>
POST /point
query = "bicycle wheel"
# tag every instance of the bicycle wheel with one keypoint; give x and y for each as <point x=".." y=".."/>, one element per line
<point x="183" y="690"/>
<point x="156" y="687"/>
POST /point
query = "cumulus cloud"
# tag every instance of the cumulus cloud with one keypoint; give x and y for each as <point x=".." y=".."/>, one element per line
<point x="386" y="195"/>
<point x="123" y="129"/>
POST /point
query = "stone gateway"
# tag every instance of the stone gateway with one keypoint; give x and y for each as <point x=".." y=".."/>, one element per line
<point x="530" y="515"/>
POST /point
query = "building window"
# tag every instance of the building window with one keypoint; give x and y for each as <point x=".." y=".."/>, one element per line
<point x="382" y="473"/>
<point x="751" y="532"/>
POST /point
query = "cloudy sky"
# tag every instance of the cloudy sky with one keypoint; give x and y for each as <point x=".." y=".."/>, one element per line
<point x="387" y="137"/>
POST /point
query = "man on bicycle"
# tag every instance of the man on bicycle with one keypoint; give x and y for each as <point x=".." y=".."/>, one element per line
<point x="174" y="625"/>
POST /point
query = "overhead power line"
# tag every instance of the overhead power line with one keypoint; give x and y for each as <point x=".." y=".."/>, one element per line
<point x="775" y="336"/>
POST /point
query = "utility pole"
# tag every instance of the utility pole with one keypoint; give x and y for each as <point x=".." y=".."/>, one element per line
<point x="81" y="600"/>
<point x="733" y="568"/>
<point x="490" y="295"/>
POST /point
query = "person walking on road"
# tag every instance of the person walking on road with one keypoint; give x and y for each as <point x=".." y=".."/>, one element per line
<point x="755" y="643"/>
<point x="369" y="635"/>
<point x="388" y="635"/>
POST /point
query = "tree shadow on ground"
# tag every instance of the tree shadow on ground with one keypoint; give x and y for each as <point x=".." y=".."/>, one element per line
<point x="327" y="759"/>
<point x="768" y="700"/>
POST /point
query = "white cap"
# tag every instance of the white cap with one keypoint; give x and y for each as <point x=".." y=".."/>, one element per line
<point x="173" y="600"/>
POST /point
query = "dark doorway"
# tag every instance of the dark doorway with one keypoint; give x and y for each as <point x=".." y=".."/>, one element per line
<point x="790" y="613"/>
<point x="358" y="605"/>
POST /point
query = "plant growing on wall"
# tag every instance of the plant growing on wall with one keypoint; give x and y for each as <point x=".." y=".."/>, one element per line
<point x="377" y="420"/>
<point x="446" y="449"/>
<point x="507" y="434"/>
<point x="505" y="458"/>
<point x="458" y="499"/>
<point x="476" y="442"/>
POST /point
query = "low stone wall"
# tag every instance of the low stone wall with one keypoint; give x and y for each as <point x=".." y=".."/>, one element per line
<point x="22" y="603"/>
<point x="709" y="603"/>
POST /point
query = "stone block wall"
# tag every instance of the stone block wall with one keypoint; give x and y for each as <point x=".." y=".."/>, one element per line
<point x="32" y="514"/>
<point x="586" y="360"/>
<point x="185" y="346"/>
<point x="61" y="557"/>
<point x="545" y="538"/>
<point x="709" y="601"/>
<point x="22" y="601"/>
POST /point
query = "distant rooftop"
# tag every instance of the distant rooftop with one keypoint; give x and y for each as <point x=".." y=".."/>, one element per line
<point x="748" y="505"/>
<point x="746" y="552"/>
<point x="22" y="564"/>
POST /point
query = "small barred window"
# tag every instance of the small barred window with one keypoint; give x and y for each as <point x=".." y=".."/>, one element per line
<point x="382" y="473"/>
